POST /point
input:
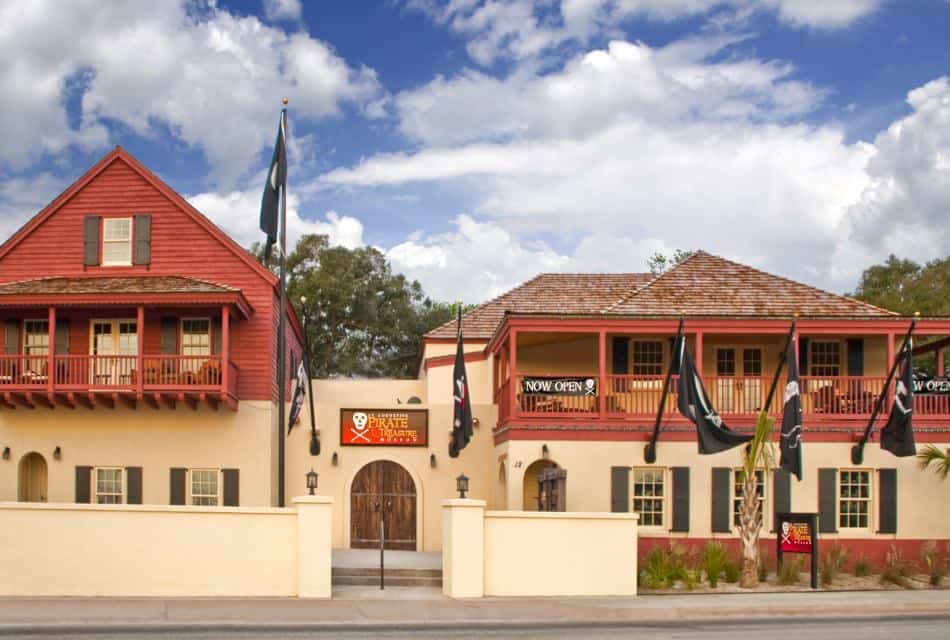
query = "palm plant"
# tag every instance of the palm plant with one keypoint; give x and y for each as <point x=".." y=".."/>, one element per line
<point x="758" y="455"/>
<point x="940" y="460"/>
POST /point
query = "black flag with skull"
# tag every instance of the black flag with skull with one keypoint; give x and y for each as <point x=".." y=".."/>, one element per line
<point x="897" y="436"/>
<point x="791" y="444"/>
<point x="462" y="424"/>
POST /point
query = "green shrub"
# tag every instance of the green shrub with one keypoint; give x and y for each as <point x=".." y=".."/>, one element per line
<point x="763" y="567"/>
<point x="655" y="572"/>
<point x="731" y="571"/>
<point x="790" y="571"/>
<point x="896" y="568"/>
<point x="832" y="564"/>
<point x="714" y="560"/>
<point x="862" y="567"/>
<point x="936" y="564"/>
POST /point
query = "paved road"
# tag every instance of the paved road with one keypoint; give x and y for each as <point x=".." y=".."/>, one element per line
<point x="914" y="629"/>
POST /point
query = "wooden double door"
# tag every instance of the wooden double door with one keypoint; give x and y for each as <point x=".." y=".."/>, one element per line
<point x="383" y="487"/>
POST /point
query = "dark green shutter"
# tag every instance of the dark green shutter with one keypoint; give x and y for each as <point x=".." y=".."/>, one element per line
<point x="828" y="500"/>
<point x="620" y="361"/>
<point x="133" y="485"/>
<point x="620" y="489"/>
<point x="143" y="239"/>
<point x="721" y="511"/>
<point x="90" y="241"/>
<point x="855" y="356"/>
<point x="803" y="356"/>
<point x="231" y="492"/>
<point x="887" y="501"/>
<point x="216" y="330"/>
<point x="680" y="499"/>
<point x="61" y="338"/>
<point x="12" y="338"/>
<point x="83" y="484"/>
<point x="176" y="488"/>
<point x="781" y="493"/>
<point x="169" y="344"/>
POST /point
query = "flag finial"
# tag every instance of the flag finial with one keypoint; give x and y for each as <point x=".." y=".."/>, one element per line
<point x="917" y="314"/>
<point x="285" y="101"/>
<point x="796" y="314"/>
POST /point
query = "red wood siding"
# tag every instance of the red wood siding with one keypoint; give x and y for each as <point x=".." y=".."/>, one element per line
<point x="180" y="246"/>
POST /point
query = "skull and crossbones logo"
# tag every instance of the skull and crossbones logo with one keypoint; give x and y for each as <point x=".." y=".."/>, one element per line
<point x="360" y="421"/>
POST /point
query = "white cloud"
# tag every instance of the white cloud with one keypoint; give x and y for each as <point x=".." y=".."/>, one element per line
<point x="213" y="78"/>
<point x="238" y="213"/>
<point x="282" y="10"/>
<point x="22" y="197"/>
<point x="520" y="29"/>
<point x="905" y="208"/>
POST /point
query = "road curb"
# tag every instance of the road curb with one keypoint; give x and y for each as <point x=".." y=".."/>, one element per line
<point x="91" y="628"/>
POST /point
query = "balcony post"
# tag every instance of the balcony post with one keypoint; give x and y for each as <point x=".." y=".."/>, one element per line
<point x="51" y="349"/>
<point x="225" y="346"/>
<point x="513" y="375"/>
<point x="602" y="372"/>
<point x="939" y="362"/>
<point x="140" y="348"/>
<point x="890" y="362"/>
<point x="699" y="351"/>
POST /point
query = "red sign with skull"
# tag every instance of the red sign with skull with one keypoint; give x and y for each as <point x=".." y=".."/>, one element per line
<point x="384" y="427"/>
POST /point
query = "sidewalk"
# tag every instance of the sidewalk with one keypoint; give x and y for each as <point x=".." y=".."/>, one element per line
<point x="366" y="609"/>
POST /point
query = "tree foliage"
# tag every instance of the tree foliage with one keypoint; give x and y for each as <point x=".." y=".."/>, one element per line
<point x="364" y="320"/>
<point x="658" y="262"/>
<point x="905" y="286"/>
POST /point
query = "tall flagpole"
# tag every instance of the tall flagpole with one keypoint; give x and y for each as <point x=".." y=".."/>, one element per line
<point x="781" y="364"/>
<point x="281" y="329"/>
<point x="857" y="451"/>
<point x="649" y="451"/>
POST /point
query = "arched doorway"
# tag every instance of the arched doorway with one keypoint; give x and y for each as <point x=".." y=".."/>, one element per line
<point x="33" y="473"/>
<point x="388" y="486"/>
<point x="531" y="482"/>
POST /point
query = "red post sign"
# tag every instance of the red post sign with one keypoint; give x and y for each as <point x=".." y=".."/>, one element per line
<point x="795" y="537"/>
<point x="384" y="427"/>
<point x="798" y="533"/>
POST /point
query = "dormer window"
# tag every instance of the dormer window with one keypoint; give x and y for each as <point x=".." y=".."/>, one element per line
<point x="117" y="241"/>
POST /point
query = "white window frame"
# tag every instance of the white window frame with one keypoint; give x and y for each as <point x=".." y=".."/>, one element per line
<point x="193" y="364"/>
<point x="868" y="499"/>
<point x="107" y="241"/>
<point x="812" y="345"/>
<point x="737" y="496"/>
<point x="192" y="496"/>
<point x="35" y="355"/>
<point x="94" y="490"/>
<point x="633" y="356"/>
<point x="664" y="484"/>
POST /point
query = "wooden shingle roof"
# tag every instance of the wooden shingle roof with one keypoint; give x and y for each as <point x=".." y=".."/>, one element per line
<point x="111" y="284"/>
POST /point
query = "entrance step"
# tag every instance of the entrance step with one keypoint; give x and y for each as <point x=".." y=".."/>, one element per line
<point x="368" y="577"/>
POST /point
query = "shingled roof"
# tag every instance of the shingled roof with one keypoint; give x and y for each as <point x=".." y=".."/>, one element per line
<point x="567" y="293"/>
<point x="707" y="285"/>
<point x="110" y="284"/>
<point x="703" y="285"/>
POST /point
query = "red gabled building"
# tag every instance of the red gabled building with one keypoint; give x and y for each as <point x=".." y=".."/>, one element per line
<point x="138" y="350"/>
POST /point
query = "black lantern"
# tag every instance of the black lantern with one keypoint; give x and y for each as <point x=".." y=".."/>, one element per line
<point x="311" y="480"/>
<point x="461" y="485"/>
<point x="57" y="453"/>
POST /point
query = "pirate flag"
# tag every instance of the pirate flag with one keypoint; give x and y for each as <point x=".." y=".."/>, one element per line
<point x="276" y="181"/>
<point x="791" y="444"/>
<point x="299" y="392"/>
<point x="462" y="424"/>
<point x="897" y="436"/>
<point x="713" y="435"/>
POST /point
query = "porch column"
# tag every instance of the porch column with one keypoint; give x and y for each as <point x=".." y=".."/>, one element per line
<point x="699" y="351"/>
<point x="513" y="372"/>
<point x="51" y="349"/>
<point x="939" y="362"/>
<point x="890" y="363"/>
<point x="140" y="349"/>
<point x="602" y="372"/>
<point x="225" y="346"/>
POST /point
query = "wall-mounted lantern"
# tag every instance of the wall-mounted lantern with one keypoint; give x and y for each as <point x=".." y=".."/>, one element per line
<point x="461" y="485"/>
<point x="311" y="481"/>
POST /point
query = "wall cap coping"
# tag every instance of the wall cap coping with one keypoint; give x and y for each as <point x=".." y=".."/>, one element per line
<point x="143" y="508"/>
<point x="563" y="515"/>
<point x="464" y="503"/>
<point x="312" y="500"/>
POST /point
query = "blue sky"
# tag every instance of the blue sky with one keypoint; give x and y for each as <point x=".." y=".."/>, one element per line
<point x="479" y="143"/>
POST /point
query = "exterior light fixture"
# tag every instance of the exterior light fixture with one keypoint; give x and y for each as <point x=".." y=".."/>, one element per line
<point x="432" y="460"/>
<point x="6" y="453"/>
<point x="461" y="485"/>
<point x="545" y="452"/>
<point x="57" y="453"/>
<point x="311" y="481"/>
<point x="335" y="459"/>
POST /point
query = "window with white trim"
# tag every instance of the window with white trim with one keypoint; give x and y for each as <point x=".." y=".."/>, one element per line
<point x="35" y="346"/>
<point x="649" y="495"/>
<point x="195" y="342"/>
<point x="108" y="485"/>
<point x="116" y="241"/>
<point x="854" y="499"/>
<point x="204" y="487"/>
<point x="825" y="358"/>
<point x="647" y="357"/>
<point x="737" y="478"/>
